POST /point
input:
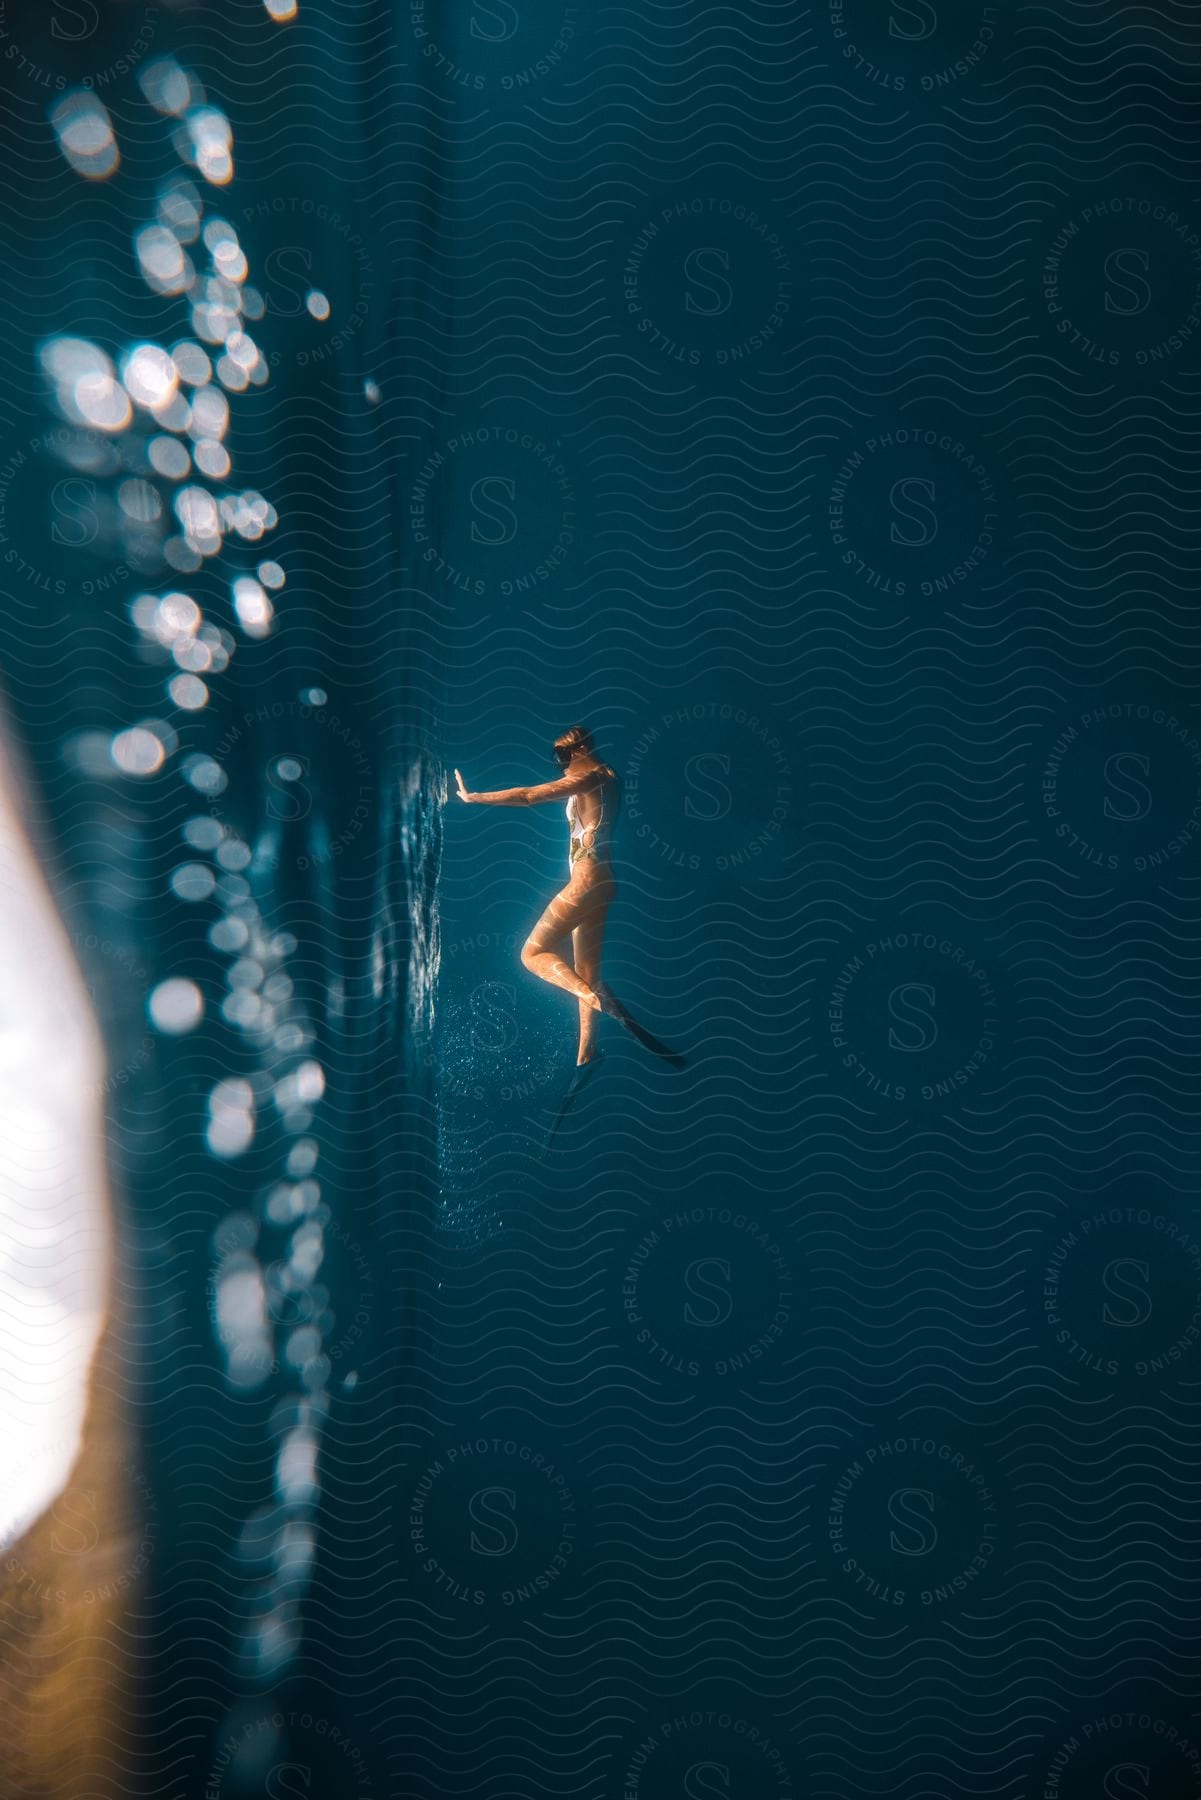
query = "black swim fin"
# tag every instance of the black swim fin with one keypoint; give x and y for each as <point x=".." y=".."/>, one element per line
<point x="612" y="1007"/>
<point x="581" y="1076"/>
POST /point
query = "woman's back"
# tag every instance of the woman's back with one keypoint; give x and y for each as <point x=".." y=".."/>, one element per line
<point x="591" y="814"/>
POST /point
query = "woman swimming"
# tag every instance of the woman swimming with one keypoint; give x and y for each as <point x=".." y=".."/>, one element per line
<point x="590" y="788"/>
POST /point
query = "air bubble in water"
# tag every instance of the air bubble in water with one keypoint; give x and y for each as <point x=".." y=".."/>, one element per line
<point x="255" y="612"/>
<point x="163" y="261"/>
<point x="192" y="881"/>
<point x="231" y="1118"/>
<point x="166" y="86"/>
<point x="176" y="1006"/>
<point x="188" y="692"/>
<point x="137" y="751"/>
<point x="150" y="376"/>
<point x="85" y="135"/>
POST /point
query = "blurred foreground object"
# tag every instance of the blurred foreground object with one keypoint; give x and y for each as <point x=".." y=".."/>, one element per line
<point x="69" y="1556"/>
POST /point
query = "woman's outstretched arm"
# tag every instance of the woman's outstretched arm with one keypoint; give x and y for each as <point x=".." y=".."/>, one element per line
<point x="530" y="796"/>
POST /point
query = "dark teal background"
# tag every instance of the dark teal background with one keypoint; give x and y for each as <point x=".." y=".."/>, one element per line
<point x="823" y="1419"/>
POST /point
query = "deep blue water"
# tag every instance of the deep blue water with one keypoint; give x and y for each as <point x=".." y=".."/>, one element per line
<point x="805" y="399"/>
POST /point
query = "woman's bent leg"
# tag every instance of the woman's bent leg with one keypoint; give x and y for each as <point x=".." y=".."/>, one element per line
<point x="538" y="954"/>
<point x="587" y="939"/>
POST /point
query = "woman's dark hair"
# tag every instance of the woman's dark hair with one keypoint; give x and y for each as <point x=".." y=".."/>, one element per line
<point x="568" y="742"/>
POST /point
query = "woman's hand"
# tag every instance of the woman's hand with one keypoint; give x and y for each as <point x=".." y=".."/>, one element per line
<point x="461" y="785"/>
